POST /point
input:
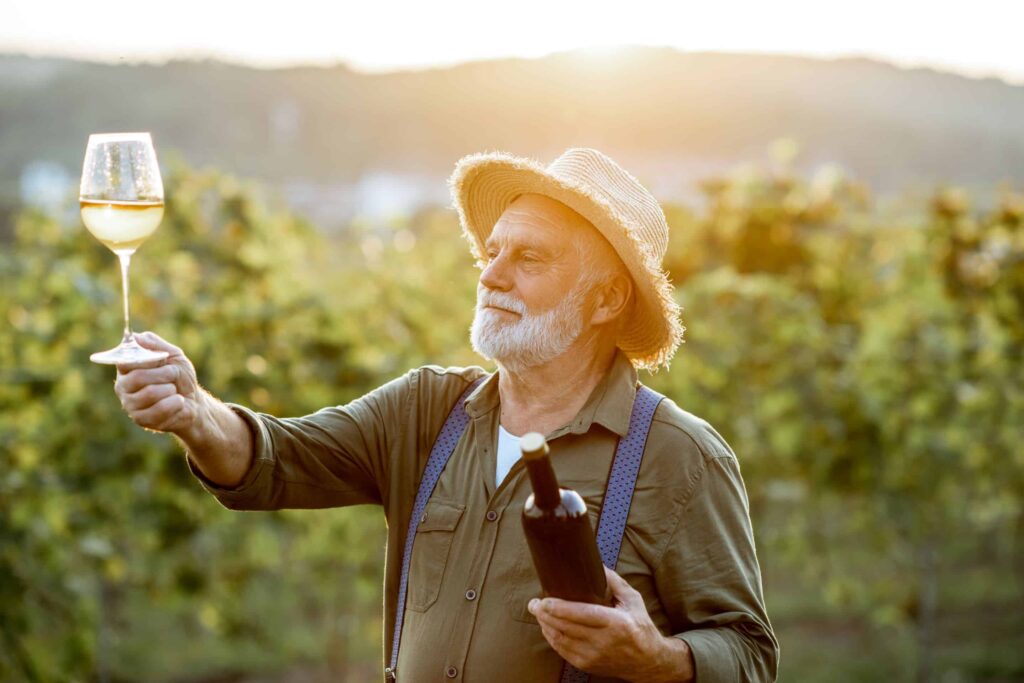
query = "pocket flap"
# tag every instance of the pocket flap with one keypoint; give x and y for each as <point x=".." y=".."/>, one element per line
<point x="440" y="516"/>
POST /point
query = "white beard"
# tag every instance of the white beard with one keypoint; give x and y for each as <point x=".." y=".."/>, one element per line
<point x="533" y="339"/>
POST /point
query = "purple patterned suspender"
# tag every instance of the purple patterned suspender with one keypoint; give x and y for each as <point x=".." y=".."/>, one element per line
<point x="610" y="528"/>
<point x="619" y="493"/>
<point x="443" y="448"/>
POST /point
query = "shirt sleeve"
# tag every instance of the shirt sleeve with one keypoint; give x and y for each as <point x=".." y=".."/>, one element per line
<point x="710" y="581"/>
<point x="334" y="457"/>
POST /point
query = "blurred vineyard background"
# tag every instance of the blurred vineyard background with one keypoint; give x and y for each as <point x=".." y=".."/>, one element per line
<point x="863" y="358"/>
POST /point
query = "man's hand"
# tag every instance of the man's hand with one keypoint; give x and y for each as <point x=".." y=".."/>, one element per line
<point x="619" y="641"/>
<point x="165" y="396"/>
<point x="162" y="395"/>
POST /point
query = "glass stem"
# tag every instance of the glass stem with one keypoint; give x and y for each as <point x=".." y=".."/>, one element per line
<point x="125" y="257"/>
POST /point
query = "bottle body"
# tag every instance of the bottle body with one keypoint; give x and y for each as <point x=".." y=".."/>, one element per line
<point x="559" y="534"/>
<point x="564" y="550"/>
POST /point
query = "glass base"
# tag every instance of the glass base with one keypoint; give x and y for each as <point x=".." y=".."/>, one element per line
<point x="127" y="353"/>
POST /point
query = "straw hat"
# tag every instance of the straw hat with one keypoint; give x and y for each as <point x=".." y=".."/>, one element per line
<point x="590" y="183"/>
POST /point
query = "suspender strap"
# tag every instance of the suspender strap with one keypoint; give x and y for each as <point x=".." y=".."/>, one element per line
<point x="443" y="448"/>
<point x="618" y="496"/>
<point x="619" y="493"/>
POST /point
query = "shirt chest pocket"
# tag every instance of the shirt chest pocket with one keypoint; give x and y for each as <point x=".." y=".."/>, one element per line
<point x="430" y="552"/>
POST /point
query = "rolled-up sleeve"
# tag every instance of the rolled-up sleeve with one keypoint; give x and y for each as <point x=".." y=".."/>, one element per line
<point x="710" y="581"/>
<point x="335" y="457"/>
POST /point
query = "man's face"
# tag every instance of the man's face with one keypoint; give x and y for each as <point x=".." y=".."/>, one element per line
<point x="531" y="298"/>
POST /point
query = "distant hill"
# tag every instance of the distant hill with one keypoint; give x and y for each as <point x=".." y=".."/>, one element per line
<point x="670" y="116"/>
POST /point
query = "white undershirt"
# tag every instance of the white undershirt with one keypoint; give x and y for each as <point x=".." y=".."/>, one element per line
<point x="508" y="454"/>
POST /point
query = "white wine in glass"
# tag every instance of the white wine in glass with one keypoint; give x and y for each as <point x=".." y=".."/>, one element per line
<point x="122" y="201"/>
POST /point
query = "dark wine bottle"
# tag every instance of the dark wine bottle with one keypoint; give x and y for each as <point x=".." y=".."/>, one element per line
<point x="559" y="533"/>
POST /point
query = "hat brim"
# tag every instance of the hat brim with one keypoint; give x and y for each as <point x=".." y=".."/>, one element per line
<point x="483" y="186"/>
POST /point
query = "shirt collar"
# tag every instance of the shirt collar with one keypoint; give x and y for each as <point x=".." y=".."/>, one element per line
<point x="609" y="404"/>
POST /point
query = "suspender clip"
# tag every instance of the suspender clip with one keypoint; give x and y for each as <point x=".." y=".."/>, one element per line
<point x="389" y="674"/>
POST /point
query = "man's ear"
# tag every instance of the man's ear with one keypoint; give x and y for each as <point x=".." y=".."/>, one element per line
<point x="613" y="298"/>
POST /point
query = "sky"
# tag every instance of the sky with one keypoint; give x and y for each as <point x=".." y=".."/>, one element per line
<point x="978" y="38"/>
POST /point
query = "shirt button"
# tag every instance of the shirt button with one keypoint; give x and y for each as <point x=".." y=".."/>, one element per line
<point x="451" y="672"/>
<point x="491" y="515"/>
<point x="423" y="518"/>
<point x="471" y="594"/>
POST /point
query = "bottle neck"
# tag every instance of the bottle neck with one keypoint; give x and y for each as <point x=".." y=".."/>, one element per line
<point x="544" y="482"/>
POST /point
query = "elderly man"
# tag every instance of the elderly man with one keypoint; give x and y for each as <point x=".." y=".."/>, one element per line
<point x="571" y="301"/>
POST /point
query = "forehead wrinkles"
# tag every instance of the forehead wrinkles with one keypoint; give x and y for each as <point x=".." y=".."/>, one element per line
<point x="535" y="217"/>
<point x="565" y="229"/>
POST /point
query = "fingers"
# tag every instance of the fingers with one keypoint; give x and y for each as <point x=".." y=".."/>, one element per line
<point x="553" y="636"/>
<point x="577" y="643"/>
<point x="565" y="627"/>
<point x="562" y="644"/>
<point x="134" y="380"/>
<point x="125" y="368"/>
<point x="621" y="589"/>
<point x="153" y="341"/>
<point x="165" y="415"/>
<point x="583" y="613"/>
<point x="613" y="577"/>
<point x="147" y="396"/>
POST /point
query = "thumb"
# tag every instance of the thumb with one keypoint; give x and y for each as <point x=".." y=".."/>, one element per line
<point x="153" y="341"/>
<point x="623" y="592"/>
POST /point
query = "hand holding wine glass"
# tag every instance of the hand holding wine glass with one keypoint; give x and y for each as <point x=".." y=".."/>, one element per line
<point x="165" y="396"/>
<point x="122" y="202"/>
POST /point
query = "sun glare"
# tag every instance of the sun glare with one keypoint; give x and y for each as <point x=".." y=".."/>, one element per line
<point x="388" y="35"/>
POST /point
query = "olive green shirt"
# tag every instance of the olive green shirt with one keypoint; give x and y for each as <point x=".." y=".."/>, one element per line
<point x="688" y="546"/>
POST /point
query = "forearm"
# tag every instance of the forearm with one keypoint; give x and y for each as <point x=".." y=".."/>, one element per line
<point x="219" y="442"/>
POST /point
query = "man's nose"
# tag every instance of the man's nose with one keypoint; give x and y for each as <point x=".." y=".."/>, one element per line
<point x="496" y="275"/>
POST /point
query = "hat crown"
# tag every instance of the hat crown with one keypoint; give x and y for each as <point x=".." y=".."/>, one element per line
<point x="599" y="176"/>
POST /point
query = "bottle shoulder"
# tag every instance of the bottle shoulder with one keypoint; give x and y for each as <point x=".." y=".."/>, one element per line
<point x="571" y="505"/>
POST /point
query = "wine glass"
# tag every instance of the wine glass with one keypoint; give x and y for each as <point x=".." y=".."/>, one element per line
<point x="122" y="202"/>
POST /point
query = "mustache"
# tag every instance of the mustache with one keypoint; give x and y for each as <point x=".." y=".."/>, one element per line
<point x="500" y="300"/>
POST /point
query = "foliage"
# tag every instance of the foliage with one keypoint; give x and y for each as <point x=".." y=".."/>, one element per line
<point x="871" y="377"/>
<point x="867" y="372"/>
